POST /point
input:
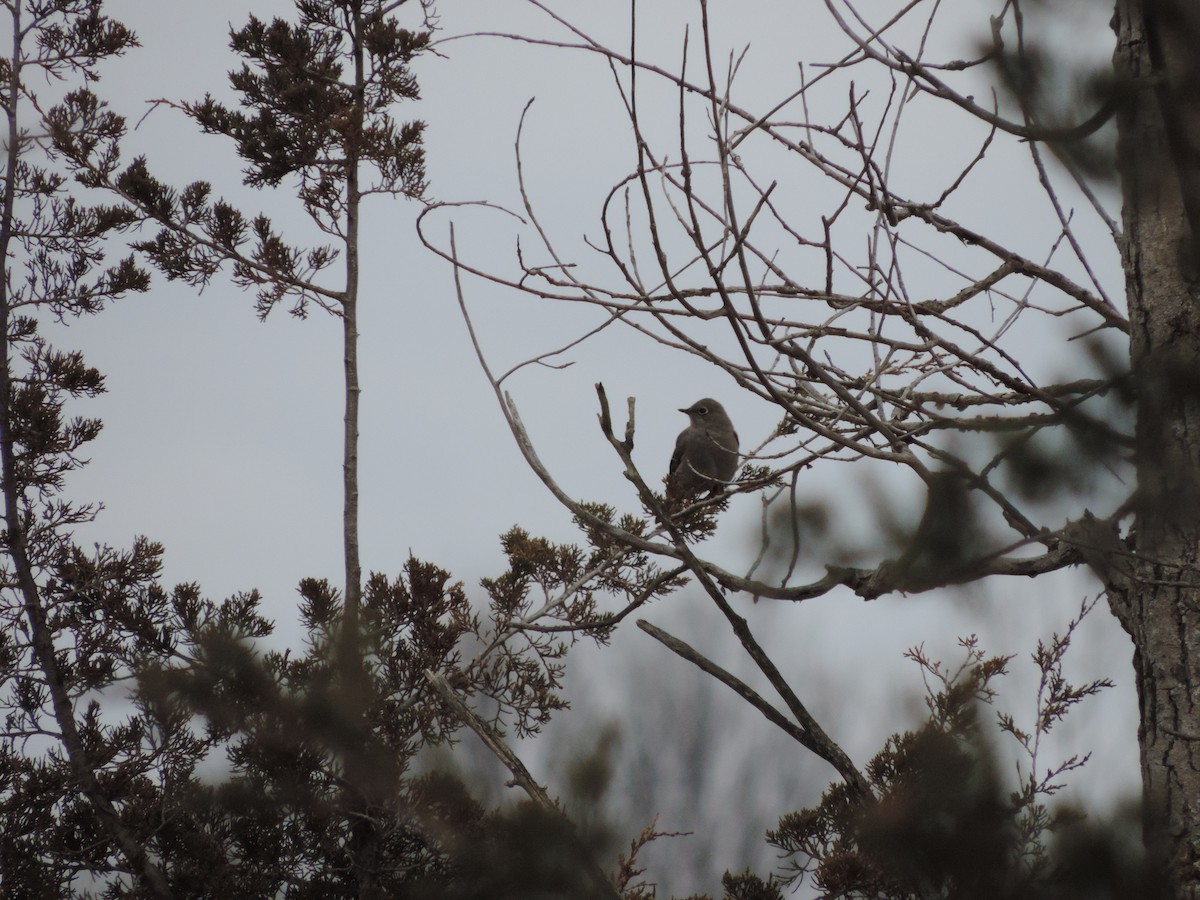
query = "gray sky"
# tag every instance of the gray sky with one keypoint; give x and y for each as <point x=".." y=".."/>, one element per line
<point x="222" y="435"/>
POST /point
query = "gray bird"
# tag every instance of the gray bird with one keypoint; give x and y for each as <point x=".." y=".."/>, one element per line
<point x="706" y="452"/>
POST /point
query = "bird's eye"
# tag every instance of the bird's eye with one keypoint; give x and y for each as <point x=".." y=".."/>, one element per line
<point x="703" y="410"/>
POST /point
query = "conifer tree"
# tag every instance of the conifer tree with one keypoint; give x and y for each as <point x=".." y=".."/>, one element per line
<point x="320" y="799"/>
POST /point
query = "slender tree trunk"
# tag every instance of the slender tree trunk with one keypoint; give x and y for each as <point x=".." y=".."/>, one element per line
<point x="353" y="565"/>
<point x="362" y="802"/>
<point x="350" y="358"/>
<point x="1160" y="603"/>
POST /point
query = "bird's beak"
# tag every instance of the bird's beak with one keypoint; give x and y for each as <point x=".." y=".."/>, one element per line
<point x="684" y="411"/>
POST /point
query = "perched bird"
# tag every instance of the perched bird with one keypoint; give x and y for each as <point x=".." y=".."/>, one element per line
<point x="706" y="452"/>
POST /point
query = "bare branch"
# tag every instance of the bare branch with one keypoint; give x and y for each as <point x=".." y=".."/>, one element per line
<point x="810" y="735"/>
<point x="521" y="776"/>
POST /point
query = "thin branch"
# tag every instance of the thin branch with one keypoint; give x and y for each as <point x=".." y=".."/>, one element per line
<point x="521" y="777"/>
<point x="810" y="736"/>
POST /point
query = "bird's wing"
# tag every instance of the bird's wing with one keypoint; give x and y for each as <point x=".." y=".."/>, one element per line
<point x="677" y="456"/>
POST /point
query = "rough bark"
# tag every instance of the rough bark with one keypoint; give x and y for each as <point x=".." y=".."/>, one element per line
<point x="1160" y="604"/>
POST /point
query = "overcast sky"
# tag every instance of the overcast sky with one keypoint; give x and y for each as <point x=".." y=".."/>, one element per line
<point x="222" y="435"/>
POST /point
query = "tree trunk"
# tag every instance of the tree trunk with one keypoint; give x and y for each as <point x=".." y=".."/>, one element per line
<point x="362" y="799"/>
<point x="1160" y="603"/>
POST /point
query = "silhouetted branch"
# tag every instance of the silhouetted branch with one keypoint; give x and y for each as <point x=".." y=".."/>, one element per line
<point x="809" y="734"/>
<point x="521" y="775"/>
